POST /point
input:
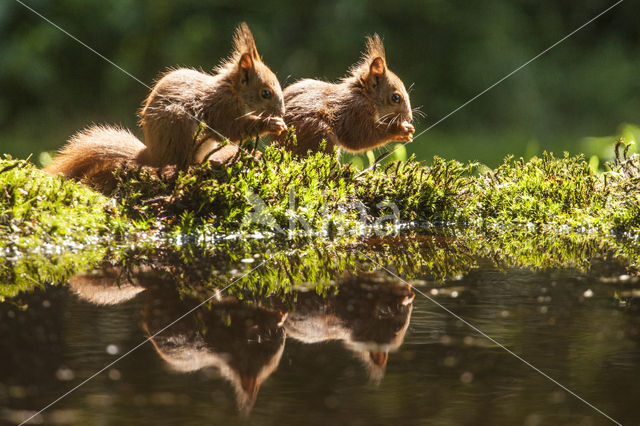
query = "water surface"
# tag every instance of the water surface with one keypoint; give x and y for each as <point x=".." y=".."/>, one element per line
<point x="367" y="349"/>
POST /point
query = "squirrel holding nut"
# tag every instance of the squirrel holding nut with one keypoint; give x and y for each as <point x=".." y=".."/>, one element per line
<point x="241" y="99"/>
<point x="367" y="108"/>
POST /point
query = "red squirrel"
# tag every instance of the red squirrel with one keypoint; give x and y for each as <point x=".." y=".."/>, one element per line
<point x="365" y="109"/>
<point x="241" y="99"/>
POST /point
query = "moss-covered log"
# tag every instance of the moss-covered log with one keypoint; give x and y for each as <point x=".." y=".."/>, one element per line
<point x="317" y="194"/>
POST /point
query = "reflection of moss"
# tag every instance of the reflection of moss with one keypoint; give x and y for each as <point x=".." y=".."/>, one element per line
<point x="287" y="266"/>
<point x="440" y="256"/>
<point x="29" y="271"/>
<point x="299" y="265"/>
<point x="550" y="249"/>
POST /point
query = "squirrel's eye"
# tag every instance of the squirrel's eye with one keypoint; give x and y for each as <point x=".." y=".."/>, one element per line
<point x="396" y="98"/>
<point x="266" y="93"/>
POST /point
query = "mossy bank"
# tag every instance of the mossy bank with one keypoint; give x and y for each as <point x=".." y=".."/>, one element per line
<point x="319" y="196"/>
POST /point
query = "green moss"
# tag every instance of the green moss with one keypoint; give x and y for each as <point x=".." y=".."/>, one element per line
<point x="224" y="197"/>
<point x="541" y="191"/>
<point x="317" y="195"/>
<point x="434" y="192"/>
<point x="281" y="193"/>
<point x="621" y="185"/>
<point x="550" y="191"/>
<point x="320" y="195"/>
<point x="36" y="208"/>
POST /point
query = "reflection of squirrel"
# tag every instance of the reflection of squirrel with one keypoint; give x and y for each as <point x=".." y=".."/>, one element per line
<point x="244" y="340"/>
<point x="364" y="110"/>
<point x="242" y="99"/>
<point x="369" y="315"/>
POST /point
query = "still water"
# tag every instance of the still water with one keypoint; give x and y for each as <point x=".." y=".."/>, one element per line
<point x="367" y="350"/>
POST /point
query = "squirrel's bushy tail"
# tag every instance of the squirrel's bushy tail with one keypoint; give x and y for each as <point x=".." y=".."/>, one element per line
<point x="92" y="155"/>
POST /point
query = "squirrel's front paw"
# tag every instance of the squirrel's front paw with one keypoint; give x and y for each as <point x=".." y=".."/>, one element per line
<point x="408" y="127"/>
<point x="406" y="132"/>
<point x="276" y="125"/>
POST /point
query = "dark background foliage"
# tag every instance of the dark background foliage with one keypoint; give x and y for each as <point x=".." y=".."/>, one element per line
<point x="448" y="51"/>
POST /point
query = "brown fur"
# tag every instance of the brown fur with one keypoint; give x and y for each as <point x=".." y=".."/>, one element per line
<point x="92" y="155"/>
<point x="229" y="101"/>
<point x="355" y="114"/>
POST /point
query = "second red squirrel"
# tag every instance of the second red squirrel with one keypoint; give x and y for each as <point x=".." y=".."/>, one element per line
<point x="366" y="109"/>
<point x="241" y="99"/>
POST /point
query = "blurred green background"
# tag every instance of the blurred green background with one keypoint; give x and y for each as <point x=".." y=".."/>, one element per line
<point x="578" y="97"/>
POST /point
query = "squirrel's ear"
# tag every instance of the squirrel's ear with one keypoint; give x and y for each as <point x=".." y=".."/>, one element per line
<point x="245" y="64"/>
<point x="377" y="70"/>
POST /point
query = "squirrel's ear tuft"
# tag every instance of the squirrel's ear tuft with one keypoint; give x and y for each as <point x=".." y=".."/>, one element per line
<point x="243" y="42"/>
<point x="375" y="48"/>
<point x="373" y="64"/>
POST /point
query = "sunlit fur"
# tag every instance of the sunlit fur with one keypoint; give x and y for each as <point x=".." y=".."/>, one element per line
<point x="229" y="102"/>
<point x="356" y="114"/>
<point x="92" y="155"/>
